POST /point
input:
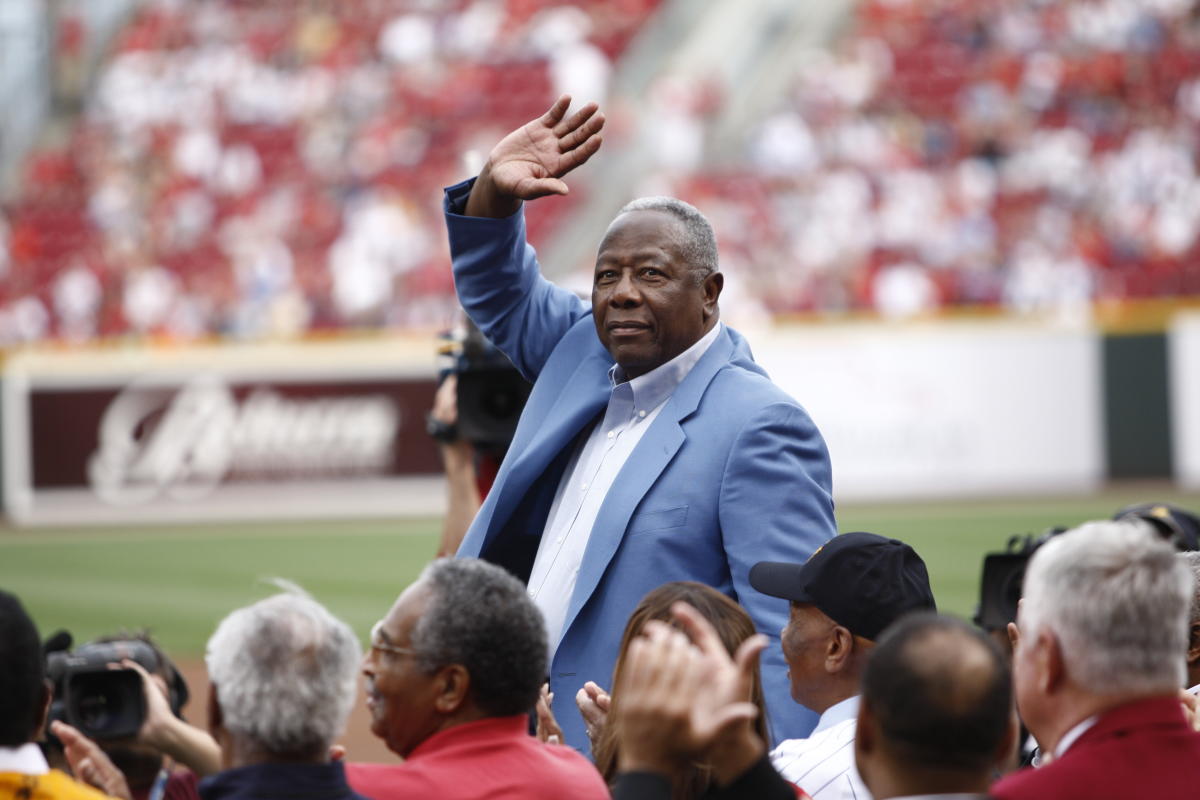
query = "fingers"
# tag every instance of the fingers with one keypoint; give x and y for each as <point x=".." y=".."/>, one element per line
<point x="532" y="188"/>
<point x="1191" y="708"/>
<point x="1014" y="634"/>
<point x="576" y="120"/>
<point x="547" y="725"/>
<point x="555" y="114"/>
<point x="572" y="159"/>
<point x="698" y="629"/>
<point x="746" y="657"/>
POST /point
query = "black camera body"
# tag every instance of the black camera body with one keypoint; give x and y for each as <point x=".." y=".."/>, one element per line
<point x="1004" y="579"/>
<point x="491" y="392"/>
<point x="106" y="702"/>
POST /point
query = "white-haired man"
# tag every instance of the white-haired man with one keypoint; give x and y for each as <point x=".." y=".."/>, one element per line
<point x="283" y="675"/>
<point x="1098" y="666"/>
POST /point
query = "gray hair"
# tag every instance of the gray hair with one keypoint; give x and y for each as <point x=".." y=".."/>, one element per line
<point x="698" y="246"/>
<point x="479" y="616"/>
<point x="1117" y="598"/>
<point x="1191" y="560"/>
<point x="286" y="671"/>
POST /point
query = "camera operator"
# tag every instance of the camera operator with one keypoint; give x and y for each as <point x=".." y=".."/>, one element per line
<point x="165" y="757"/>
<point x="24" y="700"/>
<point x="475" y="411"/>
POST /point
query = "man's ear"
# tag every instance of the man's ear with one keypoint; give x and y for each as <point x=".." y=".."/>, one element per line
<point x="453" y="688"/>
<point x="39" y="727"/>
<point x="1052" y="669"/>
<point x="712" y="285"/>
<point x="839" y="649"/>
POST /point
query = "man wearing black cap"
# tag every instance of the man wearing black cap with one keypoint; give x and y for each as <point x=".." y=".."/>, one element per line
<point x="842" y="598"/>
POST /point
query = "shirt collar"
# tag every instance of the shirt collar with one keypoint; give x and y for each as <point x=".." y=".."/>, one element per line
<point x="1070" y="737"/>
<point x="24" y="760"/>
<point x="838" y="712"/>
<point x="651" y="389"/>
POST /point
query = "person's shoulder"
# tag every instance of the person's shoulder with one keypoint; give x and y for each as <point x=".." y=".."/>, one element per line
<point x="53" y="785"/>
<point x="385" y="781"/>
<point x="574" y="772"/>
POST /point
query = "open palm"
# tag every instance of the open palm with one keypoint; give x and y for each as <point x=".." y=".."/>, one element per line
<point x="530" y="161"/>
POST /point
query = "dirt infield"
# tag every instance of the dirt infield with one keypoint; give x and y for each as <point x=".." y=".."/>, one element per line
<point x="361" y="744"/>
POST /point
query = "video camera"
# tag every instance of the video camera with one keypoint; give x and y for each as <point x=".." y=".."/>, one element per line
<point x="1004" y="572"/>
<point x="491" y="393"/>
<point x="1004" y="579"/>
<point x="106" y="702"/>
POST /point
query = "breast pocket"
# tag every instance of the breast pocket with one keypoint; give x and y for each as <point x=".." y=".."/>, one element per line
<point x="654" y="521"/>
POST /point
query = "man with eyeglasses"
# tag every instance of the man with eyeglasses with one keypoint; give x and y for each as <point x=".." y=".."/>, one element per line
<point x="452" y="673"/>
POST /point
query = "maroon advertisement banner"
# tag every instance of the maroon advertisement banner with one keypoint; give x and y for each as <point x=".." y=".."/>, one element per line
<point x="187" y="438"/>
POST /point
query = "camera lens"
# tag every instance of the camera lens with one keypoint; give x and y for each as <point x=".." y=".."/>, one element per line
<point x="95" y="711"/>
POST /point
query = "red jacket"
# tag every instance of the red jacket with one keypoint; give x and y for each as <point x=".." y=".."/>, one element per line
<point x="1143" y="749"/>
<point x="489" y="758"/>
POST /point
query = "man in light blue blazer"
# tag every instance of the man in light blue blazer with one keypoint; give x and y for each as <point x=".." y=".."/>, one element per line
<point x="652" y="448"/>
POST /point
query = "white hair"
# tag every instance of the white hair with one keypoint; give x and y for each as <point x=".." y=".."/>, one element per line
<point x="698" y="246"/>
<point x="1191" y="560"/>
<point x="1118" y="599"/>
<point x="286" y="672"/>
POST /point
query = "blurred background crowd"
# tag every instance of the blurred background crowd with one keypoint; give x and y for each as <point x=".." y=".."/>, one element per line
<point x="264" y="169"/>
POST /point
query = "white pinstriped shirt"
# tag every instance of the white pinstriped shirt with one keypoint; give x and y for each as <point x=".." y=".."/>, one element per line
<point x="823" y="764"/>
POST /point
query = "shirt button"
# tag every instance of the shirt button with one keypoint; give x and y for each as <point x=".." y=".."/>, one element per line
<point x="611" y="434"/>
<point x="584" y="487"/>
<point x="532" y="593"/>
<point x="642" y="414"/>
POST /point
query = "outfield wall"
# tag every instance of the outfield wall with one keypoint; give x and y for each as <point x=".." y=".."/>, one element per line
<point x="1183" y="353"/>
<point x="336" y="428"/>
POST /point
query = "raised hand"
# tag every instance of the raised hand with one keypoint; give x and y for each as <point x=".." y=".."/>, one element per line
<point x="89" y="763"/>
<point x="530" y="162"/>
<point x="681" y="694"/>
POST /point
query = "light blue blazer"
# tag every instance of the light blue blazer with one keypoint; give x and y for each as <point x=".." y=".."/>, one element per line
<point x="732" y="472"/>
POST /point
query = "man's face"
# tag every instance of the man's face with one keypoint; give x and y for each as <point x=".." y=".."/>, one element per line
<point x="400" y="696"/>
<point x="647" y="304"/>
<point x="804" y="641"/>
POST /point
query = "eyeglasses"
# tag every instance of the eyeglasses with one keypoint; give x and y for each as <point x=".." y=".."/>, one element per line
<point x="377" y="643"/>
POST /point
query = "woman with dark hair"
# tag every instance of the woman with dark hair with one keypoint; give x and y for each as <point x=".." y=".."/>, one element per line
<point x="732" y="624"/>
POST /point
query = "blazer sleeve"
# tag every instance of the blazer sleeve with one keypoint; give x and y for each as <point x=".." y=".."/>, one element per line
<point x="501" y="287"/>
<point x="775" y="505"/>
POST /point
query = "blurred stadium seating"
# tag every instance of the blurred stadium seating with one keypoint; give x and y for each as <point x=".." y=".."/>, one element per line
<point x="270" y="168"/>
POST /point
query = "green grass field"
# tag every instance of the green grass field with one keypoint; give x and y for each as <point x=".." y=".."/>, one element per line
<point x="179" y="581"/>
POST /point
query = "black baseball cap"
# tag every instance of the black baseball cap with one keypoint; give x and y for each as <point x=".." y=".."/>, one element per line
<point x="1178" y="526"/>
<point x="861" y="581"/>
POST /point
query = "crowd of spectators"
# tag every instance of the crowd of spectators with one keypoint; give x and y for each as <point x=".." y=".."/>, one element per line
<point x="263" y="169"/>
<point x="268" y="168"/>
<point x="913" y="704"/>
<point x="1031" y="154"/>
<point x="1101" y="667"/>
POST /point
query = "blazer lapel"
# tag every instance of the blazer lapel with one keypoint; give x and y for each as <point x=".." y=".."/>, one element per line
<point x="582" y="397"/>
<point x="646" y="463"/>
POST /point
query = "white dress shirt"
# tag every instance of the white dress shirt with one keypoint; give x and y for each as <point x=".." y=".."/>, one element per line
<point x="823" y="764"/>
<point x="632" y="408"/>
<point x="24" y="760"/>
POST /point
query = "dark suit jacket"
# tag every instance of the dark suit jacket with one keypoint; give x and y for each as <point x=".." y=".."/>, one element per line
<point x="1142" y="750"/>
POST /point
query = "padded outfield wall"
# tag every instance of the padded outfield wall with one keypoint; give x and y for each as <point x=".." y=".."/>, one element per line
<point x="952" y="408"/>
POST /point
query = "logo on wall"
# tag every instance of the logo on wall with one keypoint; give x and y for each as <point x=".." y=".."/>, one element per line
<point x="159" y="438"/>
